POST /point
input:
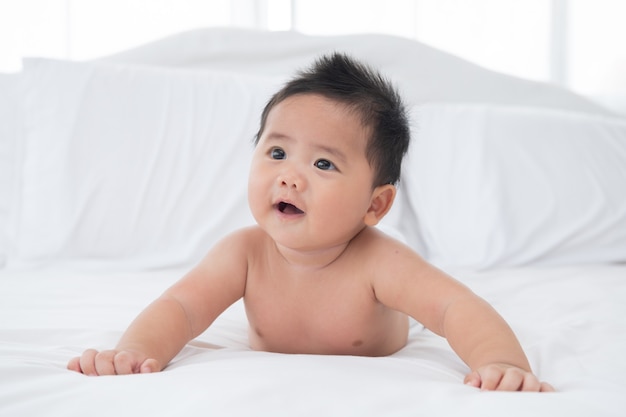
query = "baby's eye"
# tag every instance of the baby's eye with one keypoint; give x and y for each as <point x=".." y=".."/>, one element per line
<point x="277" y="153"/>
<point x="324" y="164"/>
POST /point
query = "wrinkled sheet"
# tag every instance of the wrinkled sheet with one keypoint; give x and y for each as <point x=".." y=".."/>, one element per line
<point x="570" y="320"/>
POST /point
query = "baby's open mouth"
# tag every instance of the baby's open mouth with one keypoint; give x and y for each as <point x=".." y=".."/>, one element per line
<point x="288" y="208"/>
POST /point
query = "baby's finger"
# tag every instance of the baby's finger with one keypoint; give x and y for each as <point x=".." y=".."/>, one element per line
<point x="149" y="366"/>
<point x="512" y="380"/>
<point x="74" y="364"/>
<point x="490" y="377"/>
<point x="531" y="383"/>
<point x="125" y="363"/>
<point x="545" y="387"/>
<point x="472" y="379"/>
<point x="104" y="362"/>
<point x="87" y="362"/>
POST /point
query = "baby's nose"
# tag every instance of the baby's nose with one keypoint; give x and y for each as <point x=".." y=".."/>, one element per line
<point x="291" y="179"/>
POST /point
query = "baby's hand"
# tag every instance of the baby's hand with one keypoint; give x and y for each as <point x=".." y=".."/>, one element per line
<point x="502" y="377"/>
<point x="112" y="362"/>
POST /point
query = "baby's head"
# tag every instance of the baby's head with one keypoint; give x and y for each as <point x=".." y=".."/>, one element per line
<point x="374" y="99"/>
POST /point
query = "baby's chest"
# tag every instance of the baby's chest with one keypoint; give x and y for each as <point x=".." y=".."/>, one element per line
<point x="322" y="318"/>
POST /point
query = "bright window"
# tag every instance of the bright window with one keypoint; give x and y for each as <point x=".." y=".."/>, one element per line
<point x="576" y="43"/>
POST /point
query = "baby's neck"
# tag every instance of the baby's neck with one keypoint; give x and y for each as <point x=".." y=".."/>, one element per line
<point x="313" y="259"/>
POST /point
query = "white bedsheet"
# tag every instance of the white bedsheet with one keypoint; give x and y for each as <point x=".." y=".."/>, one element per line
<point x="571" y="322"/>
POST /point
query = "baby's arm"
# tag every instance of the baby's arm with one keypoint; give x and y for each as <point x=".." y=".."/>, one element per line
<point x="182" y="313"/>
<point x="148" y="344"/>
<point x="482" y="338"/>
<point x="474" y="330"/>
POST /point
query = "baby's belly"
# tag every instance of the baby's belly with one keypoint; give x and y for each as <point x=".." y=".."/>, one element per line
<point x="379" y="336"/>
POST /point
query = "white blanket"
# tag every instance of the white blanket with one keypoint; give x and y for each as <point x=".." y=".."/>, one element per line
<point x="571" y="322"/>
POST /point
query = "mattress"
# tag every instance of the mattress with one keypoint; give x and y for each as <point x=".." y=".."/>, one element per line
<point x="570" y="320"/>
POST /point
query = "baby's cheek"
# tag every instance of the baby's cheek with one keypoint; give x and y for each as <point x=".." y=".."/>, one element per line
<point x="258" y="194"/>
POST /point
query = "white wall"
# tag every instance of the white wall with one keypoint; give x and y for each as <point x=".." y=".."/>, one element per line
<point x="575" y="43"/>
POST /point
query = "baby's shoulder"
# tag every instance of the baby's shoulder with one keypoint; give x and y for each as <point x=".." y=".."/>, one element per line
<point x="372" y="238"/>
<point x="246" y="237"/>
<point x="377" y="246"/>
<point x="236" y="247"/>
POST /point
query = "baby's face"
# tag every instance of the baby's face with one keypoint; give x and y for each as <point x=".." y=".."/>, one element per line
<point x="310" y="182"/>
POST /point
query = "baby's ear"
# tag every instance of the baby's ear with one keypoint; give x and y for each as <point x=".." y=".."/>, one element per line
<point x="382" y="199"/>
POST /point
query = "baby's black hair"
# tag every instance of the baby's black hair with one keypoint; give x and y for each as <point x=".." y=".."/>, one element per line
<point x="364" y="90"/>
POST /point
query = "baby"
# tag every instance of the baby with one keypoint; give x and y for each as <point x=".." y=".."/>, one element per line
<point x="316" y="277"/>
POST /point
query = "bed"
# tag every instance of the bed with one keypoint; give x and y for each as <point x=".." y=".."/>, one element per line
<point x="117" y="174"/>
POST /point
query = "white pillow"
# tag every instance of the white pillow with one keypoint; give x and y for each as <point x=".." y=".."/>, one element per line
<point x="504" y="186"/>
<point x="9" y="131"/>
<point x="424" y="74"/>
<point x="130" y="167"/>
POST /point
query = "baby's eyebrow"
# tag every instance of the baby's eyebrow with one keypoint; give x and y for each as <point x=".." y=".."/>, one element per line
<point x="277" y="136"/>
<point x="333" y="151"/>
